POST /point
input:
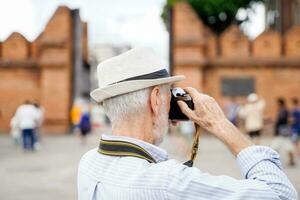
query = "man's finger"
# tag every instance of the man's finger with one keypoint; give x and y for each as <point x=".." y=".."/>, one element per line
<point x="192" y="92"/>
<point x="185" y="109"/>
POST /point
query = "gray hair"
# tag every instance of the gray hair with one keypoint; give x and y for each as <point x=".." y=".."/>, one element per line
<point x="127" y="105"/>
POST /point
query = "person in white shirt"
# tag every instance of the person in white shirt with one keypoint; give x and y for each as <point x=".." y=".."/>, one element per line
<point x="253" y="114"/>
<point x="27" y="119"/>
<point x="134" y="89"/>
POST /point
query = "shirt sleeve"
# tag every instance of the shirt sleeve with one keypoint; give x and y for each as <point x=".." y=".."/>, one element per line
<point x="259" y="165"/>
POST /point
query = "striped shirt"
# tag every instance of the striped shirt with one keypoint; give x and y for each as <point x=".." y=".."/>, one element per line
<point x="110" y="177"/>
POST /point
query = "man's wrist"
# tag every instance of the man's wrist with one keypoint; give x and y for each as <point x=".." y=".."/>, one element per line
<point x="233" y="138"/>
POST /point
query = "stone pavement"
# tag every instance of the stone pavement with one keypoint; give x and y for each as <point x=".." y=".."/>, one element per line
<point x="50" y="173"/>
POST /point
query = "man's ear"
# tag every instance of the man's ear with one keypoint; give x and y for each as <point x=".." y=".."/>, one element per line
<point x="155" y="100"/>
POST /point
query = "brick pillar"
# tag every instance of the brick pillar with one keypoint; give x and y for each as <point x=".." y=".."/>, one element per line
<point x="55" y="59"/>
<point x="187" y="45"/>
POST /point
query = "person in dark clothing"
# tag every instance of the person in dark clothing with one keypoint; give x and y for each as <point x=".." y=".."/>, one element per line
<point x="295" y="124"/>
<point x="281" y="126"/>
<point x="282" y="132"/>
<point x="85" y="126"/>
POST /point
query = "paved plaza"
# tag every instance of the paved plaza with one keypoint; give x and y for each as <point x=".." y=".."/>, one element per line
<point x="50" y="173"/>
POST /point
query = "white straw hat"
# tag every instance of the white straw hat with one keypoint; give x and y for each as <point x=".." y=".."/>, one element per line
<point x="133" y="70"/>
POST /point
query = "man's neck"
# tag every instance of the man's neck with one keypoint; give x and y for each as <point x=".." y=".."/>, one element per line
<point x="139" y="128"/>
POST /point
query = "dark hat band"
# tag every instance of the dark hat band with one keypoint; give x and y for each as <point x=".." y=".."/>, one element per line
<point x="163" y="73"/>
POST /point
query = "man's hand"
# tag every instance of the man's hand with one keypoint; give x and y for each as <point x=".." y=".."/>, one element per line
<point x="207" y="113"/>
<point x="209" y="116"/>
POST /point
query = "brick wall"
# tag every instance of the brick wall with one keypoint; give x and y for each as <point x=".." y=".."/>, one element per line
<point x="15" y="88"/>
<point x="40" y="70"/>
<point x="15" y="47"/>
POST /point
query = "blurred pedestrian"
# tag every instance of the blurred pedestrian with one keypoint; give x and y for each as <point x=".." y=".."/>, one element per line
<point x="85" y="126"/>
<point x="98" y="119"/>
<point x="253" y="114"/>
<point x="27" y="119"/>
<point x="282" y="132"/>
<point x="281" y="125"/>
<point x="231" y="110"/>
<point x="75" y="116"/>
<point x="37" y="134"/>
<point x="15" y="131"/>
<point x="295" y="124"/>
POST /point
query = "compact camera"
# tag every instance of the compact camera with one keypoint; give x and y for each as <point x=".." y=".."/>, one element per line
<point x="175" y="113"/>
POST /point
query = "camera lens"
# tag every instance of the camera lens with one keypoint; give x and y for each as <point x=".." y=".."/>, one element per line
<point x="177" y="92"/>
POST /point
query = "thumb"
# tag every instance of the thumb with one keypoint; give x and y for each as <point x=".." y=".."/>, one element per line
<point x="185" y="109"/>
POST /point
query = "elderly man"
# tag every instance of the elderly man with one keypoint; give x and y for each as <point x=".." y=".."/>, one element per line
<point x="134" y="89"/>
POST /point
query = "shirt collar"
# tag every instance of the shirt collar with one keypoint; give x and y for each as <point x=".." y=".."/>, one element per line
<point x="157" y="153"/>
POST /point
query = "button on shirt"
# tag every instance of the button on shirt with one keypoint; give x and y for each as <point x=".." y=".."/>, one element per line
<point x="110" y="177"/>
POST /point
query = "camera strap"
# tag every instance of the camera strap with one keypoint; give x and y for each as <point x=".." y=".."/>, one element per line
<point x="190" y="162"/>
<point x="122" y="148"/>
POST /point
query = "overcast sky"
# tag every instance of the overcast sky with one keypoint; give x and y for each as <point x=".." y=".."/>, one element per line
<point x="128" y="22"/>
